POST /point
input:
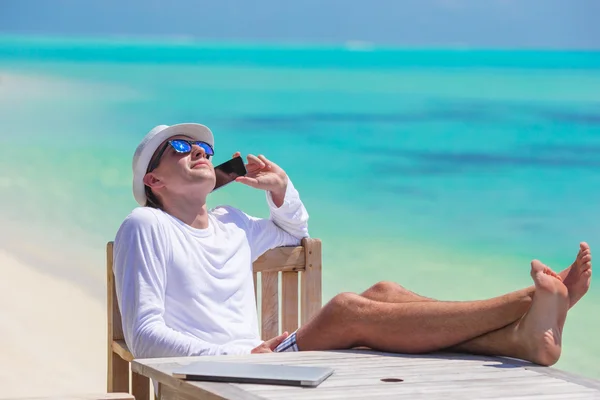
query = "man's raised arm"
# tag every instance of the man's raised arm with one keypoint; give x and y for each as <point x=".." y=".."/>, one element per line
<point x="288" y="222"/>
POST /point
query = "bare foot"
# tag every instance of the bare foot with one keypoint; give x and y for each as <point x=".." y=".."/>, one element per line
<point x="578" y="276"/>
<point x="539" y="332"/>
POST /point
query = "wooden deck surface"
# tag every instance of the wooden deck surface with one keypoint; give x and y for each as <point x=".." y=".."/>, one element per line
<point x="368" y="375"/>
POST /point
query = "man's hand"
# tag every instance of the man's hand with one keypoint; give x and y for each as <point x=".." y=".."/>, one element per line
<point x="270" y="345"/>
<point x="266" y="175"/>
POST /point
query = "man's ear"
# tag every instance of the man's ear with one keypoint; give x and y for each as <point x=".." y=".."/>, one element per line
<point x="153" y="181"/>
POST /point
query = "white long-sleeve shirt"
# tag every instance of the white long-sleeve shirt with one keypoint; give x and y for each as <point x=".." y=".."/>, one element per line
<point x="184" y="291"/>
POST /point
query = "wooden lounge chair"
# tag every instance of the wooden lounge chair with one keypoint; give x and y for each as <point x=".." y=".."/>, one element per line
<point x="288" y="265"/>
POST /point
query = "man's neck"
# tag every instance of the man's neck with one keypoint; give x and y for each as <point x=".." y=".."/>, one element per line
<point x="192" y="213"/>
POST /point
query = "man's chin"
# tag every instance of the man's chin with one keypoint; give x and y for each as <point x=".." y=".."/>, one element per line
<point x="205" y="185"/>
<point x="201" y="182"/>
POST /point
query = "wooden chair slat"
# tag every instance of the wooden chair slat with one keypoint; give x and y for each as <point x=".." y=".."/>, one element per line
<point x="281" y="259"/>
<point x="118" y="374"/>
<point x="118" y="368"/>
<point x="311" y="280"/>
<point x="140" y="386"/>
<point x="289" y="306"/>
<point x="115" y="329"/>
<point x="255" y="277"/>
<point x="270" y="305"/>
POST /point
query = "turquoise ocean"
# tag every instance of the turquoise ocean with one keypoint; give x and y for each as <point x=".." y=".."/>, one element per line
<point x="446" y="171"/>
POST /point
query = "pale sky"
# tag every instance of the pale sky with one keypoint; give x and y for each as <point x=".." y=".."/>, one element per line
<point x="439" y="23"/>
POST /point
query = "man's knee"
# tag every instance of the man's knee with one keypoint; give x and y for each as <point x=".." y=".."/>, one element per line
<point x="336" y="326"/>
<point x="344" y="305"/>
<point x="385" y="287"/>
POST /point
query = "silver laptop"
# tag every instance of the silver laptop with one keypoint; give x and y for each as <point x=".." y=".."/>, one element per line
<point x="238" y="372"/>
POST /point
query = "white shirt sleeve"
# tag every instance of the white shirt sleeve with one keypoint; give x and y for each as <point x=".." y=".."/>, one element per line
<point x="140" y="259"/>
<point x="287" y="225"/>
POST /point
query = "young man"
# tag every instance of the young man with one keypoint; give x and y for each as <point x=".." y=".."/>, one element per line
<point x="184" y="275"/>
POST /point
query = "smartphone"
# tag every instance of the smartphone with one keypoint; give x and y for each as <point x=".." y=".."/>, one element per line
<point x="228" y="171"/>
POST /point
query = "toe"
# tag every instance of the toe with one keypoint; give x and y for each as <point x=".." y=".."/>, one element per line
<point x="537" y="266"/>
<point x="548" y="271"/>
<point x="584" y="246"/>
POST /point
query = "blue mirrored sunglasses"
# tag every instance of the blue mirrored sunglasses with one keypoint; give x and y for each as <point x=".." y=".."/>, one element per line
<point x="182" y="146"/>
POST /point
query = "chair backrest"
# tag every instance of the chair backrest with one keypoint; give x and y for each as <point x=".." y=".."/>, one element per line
<point x="297" y="270"/>
<point x="288" y="267"/>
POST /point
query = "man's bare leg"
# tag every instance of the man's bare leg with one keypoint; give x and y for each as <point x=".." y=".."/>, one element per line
<point x="390" y="292"/>
<point x="576" y="278"/>
<point x="350" y="320"/>
<point x="497" y="313"/>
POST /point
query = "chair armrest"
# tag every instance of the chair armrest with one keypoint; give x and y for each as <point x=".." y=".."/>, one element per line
<point x="120" y="347"/>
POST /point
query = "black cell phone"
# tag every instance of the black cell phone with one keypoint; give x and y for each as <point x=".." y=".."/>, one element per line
<point x="228" y="171"/>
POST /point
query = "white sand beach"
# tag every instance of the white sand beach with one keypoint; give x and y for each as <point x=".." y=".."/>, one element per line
<point x="52" y="330"/>
<point x="23" y="87"/>
<point x="53" y="334"/>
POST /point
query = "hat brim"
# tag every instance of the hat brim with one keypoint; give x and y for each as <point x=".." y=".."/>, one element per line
<point x="152" y="141"/>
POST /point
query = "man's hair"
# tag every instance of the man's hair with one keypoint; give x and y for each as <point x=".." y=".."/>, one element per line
<point x="151" y="199"/>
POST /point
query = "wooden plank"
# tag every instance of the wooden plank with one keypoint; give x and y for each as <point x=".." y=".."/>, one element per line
<point x="85" y="396"/>
<point x="270" y="305"/>
<point x="289" y="298"/>
<point x="483" y="388"/>
<point x="254" y="277"/>
<point x="399" y="390"/>
<point x="416" y="393"/>
<point x="117" y="368"/>
<point x="349" y="355"/>
<point x="567" y="376"/>
<point x="347" y="381"/>
<point x="479" y="379"/>
<point x="368" y="363"/>
<point x="560" y="396"/>
<point x="118" y="374"/>
<point x="162" y="373"/>
<point x="170" y="393"/>
<point x="140" y="386"/>
<point x="281" y="259"/>
<point x="218" y="391"/>
<point x="311" y="280"/>
<point x="357" y="374"/>
<point x="115" y="329"/>
<point x="427" y="396"/>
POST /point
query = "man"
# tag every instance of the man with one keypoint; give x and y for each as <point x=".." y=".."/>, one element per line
<point x="184" y="275"/>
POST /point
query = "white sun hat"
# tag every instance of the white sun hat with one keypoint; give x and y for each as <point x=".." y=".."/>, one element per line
<point x="152" y="141"/>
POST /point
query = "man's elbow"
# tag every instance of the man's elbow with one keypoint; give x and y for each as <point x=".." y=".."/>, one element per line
<point x="148" y="342"/>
